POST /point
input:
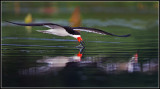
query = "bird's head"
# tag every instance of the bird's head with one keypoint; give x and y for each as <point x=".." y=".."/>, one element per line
<point x="80" y="41"/>
<point x="78" y="37"/>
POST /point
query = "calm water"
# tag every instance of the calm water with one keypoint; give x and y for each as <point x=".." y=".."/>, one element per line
<point x="33" y="59"/>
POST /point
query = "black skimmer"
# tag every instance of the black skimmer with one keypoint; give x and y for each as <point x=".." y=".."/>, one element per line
<point x="60" y="30"/>
<point x="53" y="64"/>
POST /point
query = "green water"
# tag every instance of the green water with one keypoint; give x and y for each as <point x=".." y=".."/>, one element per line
<point x="34" y="59"/>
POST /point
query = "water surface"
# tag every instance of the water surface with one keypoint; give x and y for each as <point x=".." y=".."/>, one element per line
<point x="33" y="59"/>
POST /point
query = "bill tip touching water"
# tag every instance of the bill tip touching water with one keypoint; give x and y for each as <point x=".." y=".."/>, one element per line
<point x="59" y="30"/>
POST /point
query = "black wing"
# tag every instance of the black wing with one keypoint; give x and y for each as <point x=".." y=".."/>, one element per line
<point x="49" y="25"/>
<point x="93" y="30"/>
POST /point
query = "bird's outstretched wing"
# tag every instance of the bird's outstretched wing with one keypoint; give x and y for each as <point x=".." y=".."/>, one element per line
<point x="93" y="30"/>
<point x="49" y="25"/>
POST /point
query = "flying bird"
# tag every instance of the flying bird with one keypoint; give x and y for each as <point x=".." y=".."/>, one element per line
<point x="60" y="30"/>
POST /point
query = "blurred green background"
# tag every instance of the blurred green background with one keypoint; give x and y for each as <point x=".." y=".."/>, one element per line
<point x="23" y="46"/>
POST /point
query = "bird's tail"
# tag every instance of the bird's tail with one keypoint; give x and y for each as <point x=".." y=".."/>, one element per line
<point x="122" y="35"/>
<point x="43" y="31"/>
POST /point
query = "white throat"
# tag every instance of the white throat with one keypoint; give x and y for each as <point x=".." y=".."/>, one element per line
<point x="75" y="36"/>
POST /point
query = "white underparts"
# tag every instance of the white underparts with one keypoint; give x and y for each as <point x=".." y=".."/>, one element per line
<point x="75" y="36"/>
<point x="58" y="32"/>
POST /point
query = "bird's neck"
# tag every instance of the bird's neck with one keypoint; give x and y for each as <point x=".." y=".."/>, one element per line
<point x="76" y="36"/>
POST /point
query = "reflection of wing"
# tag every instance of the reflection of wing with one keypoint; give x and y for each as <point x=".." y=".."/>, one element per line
<point x="49" y="25"/>
<point x="93" y="30"/>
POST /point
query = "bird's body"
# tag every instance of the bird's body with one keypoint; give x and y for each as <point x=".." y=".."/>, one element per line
<point x="59" y="30"/>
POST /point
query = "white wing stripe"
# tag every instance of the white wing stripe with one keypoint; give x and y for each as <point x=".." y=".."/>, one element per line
<point x="89" y="31"/>
<point x="47" y="26"/>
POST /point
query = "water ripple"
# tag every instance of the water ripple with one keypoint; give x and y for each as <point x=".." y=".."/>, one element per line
<point x="37" y="39"/>
<point x="56" y="39"/>
<point x="30" y="45"/>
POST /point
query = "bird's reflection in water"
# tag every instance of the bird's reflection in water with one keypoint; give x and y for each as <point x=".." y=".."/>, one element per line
<point x="133" y="65"/>
<point x="136" y="65"/>
<point x="56" y="64"/>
